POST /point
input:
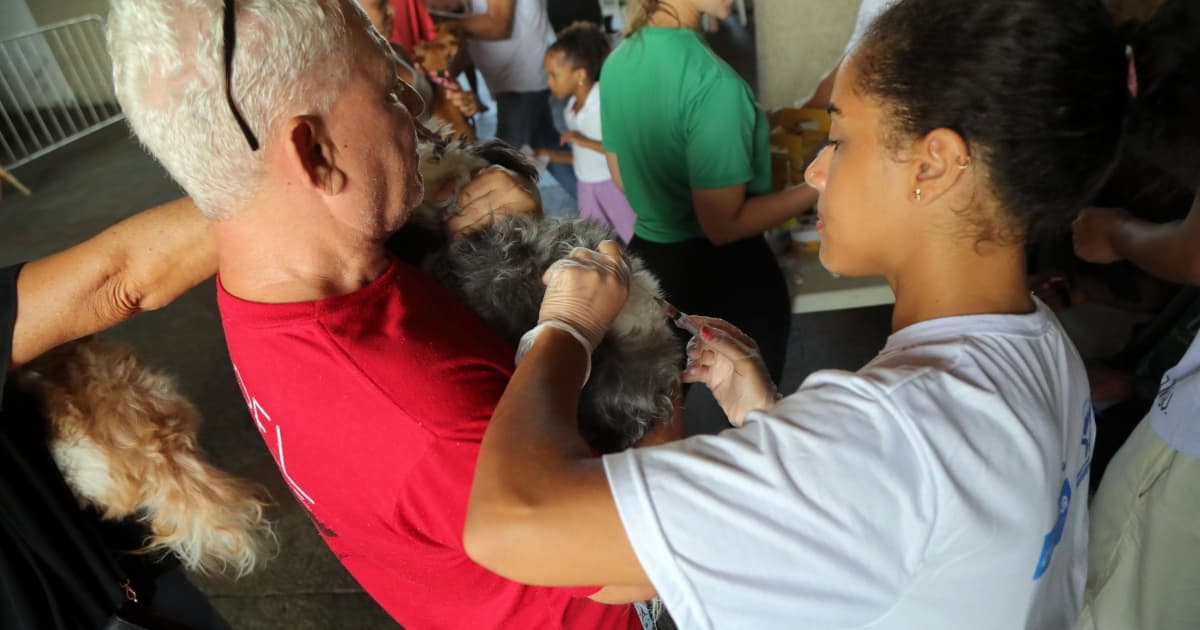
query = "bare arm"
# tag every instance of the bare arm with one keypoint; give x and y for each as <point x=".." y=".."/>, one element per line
<point x="574" y="137"/>
<point x="556" y="157"/>
<point x="614" y="169"/>
<point x="726" y="215"/>
<point x="820" y="99"/>
<point x="541" y="511"/>
<point x="1170" y="251"/>
<point x="496" y="24"/>
<point x="140" y="264"/>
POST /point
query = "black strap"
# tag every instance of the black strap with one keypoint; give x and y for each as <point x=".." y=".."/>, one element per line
<point x="230" y="42"/>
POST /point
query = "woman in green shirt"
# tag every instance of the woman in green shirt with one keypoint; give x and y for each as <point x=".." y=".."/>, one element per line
<point x="689" y="145"/>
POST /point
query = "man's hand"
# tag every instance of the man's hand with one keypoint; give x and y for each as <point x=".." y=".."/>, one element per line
<point x="728" y="362"/>
<point x="1095" y="233"/>
<point x="587" y="290"/>
<point x="494" y="190"/>
<point x="569" y="137"/>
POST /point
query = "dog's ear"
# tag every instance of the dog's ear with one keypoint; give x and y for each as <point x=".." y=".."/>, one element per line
<point x="503" y="154"/>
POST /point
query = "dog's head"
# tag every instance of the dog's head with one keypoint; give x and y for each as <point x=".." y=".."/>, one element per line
<point x="437" y="55"/>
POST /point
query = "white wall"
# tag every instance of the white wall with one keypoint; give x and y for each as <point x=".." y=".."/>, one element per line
<point x="798" y="42"/>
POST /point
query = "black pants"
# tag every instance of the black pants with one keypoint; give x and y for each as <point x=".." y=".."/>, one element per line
<point x="740" y="283"/>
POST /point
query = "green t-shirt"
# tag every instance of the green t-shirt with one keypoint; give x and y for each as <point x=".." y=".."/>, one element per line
<point x="679" y="118"/>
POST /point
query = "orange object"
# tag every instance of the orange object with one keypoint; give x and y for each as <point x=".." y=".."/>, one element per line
<point x="796" y="134"/>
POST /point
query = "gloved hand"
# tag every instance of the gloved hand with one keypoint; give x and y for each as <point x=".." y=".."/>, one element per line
<point x="493" y="190"/>
<point x="584" y="294"/>
<point x="586" y="291"/>
<point x="728" y="362"/>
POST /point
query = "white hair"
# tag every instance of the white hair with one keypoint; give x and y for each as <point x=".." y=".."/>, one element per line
<point x="291" y="58"/>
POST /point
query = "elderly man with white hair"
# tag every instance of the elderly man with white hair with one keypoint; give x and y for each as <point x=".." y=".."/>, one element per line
<point x="370" y="384"/>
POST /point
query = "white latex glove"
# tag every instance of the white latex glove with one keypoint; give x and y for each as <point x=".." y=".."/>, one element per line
<point x="586" y="291"/>
<point x="728" y="362"/>
<point x="493" y="190"/>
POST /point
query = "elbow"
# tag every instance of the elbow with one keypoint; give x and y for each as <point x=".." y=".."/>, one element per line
<point x="720" y="237"/>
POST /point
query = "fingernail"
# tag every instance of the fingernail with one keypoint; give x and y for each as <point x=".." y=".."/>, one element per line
<point x="706" y="333"/>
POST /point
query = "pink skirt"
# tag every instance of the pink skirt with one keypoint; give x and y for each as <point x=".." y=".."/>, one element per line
<point x="605" y="203"/>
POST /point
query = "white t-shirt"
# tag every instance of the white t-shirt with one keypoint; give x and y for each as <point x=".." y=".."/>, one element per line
<point x="590" y="166"/>
<point x="515" y="64"/>
<point x="1176" y="411"/>
<point x="942" y="486"/>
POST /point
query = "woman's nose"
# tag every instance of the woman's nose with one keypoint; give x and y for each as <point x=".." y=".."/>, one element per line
<point x="818" y="171"/>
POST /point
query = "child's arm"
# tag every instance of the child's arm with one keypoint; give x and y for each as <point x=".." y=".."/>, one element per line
<point x="574" y="137"/>
<point x="556" y="157"/>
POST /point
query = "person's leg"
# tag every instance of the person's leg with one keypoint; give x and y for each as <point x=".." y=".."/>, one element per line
<point x="178" y="601"/>
<point x="1144" y="552"/>
<point x="615" y="207"/>
<point x="589" y="203"/>
<point x="513" y="123"/>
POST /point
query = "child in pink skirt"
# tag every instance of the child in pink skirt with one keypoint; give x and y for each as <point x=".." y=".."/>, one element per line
<point x="573" y="69"/>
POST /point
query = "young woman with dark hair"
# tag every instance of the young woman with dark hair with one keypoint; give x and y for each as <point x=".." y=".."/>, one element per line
<point x="689" y="145"/>
<point x="944" y="484"/>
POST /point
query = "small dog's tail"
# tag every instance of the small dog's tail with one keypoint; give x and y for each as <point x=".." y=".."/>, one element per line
<point x="125" y="440"/>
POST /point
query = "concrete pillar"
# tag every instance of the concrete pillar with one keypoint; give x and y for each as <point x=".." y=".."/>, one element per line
<point x="798" y="42"/>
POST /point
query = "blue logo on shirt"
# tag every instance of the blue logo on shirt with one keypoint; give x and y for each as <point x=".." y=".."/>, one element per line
<point x="1051" y="540"/>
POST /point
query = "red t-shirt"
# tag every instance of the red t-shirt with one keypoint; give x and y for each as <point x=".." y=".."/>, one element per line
<point x="374" y="405"/>
<point x="411" y="23"/>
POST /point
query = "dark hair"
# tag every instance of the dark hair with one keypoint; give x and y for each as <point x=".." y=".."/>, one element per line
<point x="1164" y="121"/>
<point x="583" y="45"/>
<point x="1037" y="88"/>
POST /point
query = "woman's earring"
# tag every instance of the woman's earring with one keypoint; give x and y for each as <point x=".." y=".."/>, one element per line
<point x="965" y="164"/>
<point x="917" y="194"/>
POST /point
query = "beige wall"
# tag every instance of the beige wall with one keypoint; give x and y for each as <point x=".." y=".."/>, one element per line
<point x="798" y="42"/>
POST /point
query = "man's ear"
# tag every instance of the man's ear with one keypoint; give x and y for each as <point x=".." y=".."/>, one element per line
<point x="941" y="158"/>
<point x="311" y="154"/>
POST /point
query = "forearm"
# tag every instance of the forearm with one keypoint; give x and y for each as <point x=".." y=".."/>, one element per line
<point x="590" y="144"/>
<point x="1170" y="251"/>
<point x="623" y="594"/>
<point x="559" y="157"/>
<point x="141" y="263"/>
<point x="758" y="214"/>
<point x="538" y="493"/>
<point x="487" y="26"/>
<point x="614" y="169"/>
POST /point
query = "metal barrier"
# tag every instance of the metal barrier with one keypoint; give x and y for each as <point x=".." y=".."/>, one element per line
<point x="55" y="87"/>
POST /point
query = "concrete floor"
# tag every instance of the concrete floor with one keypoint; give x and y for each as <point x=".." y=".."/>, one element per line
<point x="81" y="190"/>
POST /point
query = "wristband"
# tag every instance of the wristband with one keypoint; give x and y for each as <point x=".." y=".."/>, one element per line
<point x="528" y="338"/>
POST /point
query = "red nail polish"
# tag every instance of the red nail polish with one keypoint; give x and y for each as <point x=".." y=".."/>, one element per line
<point x="706" y="333"/>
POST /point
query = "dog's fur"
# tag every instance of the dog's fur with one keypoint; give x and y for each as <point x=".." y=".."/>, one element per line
<point x="125" y="441"/>
<point x="497" y="271"/>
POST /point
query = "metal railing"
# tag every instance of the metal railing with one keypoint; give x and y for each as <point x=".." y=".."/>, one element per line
<point x="55" y="87"/>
